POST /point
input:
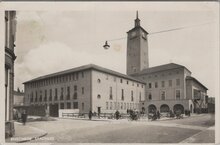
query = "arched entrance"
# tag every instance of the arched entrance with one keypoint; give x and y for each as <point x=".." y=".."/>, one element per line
<point x="152" y="108"/>
<point x="164" y="108"/>
<point x="178" y="107"/>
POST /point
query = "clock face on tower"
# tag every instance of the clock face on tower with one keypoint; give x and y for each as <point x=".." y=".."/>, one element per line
<point x="133" y="34"/>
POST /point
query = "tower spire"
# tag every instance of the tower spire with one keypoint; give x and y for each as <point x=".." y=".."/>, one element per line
<point x="137" y="15"/>
<point x="137" y="20"/>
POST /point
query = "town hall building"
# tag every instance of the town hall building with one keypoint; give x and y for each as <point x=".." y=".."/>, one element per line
<point x="91" y="87"/>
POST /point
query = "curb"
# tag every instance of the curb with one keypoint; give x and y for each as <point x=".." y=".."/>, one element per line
<point x="33" y="138"/>
<point x="42" y="134"/>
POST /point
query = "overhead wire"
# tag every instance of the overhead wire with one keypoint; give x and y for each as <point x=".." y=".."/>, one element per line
<point x="163" y="31"/>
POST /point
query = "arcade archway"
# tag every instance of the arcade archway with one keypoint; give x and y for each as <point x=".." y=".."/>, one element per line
<point x="152" y="108"/>
<point x="178" y="107"/>
<point x="164" y="108"/>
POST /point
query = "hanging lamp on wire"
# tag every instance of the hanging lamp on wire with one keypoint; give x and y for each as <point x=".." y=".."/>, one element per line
<point x="106" y="46"/>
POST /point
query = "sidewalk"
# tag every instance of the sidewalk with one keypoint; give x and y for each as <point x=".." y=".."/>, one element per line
<point x="24" y="133"/>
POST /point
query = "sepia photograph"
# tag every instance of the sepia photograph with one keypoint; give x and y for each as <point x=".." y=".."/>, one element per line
<point x="111" y="72"/>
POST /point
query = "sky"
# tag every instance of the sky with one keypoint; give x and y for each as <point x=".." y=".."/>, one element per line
<point x="55" y="40"/>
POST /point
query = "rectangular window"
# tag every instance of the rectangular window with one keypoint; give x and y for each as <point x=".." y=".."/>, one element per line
<point x="132" y="96"/>
<point x="40" y="98"/>
<point x="45" y="95"/>
<point x="51" y="92"/>
<point x="50" y="97"/>
<point x="68" y="93"/>
<point x="140" y="96"/>
<point x="77" y="76"/>
<point x="61" y="105"/>
<point x="32" y="99"/>
<point x="106" y="105"/>
<point x="75" y="96"/>
<point x="73" y="77"/>
<point x="75" y="105"/>
<point x="156" y="84"/>
<point x="124" y="106"/>
<point x="61" y="95"/>
<point x="75" y="88"/>
<point x="149" y="96"/>
<point x="177" y="82"/>
<point x="122" y="94"/>
<point x="170" y="83"/>
<point x="110" y="94"/>
<point x="82" y="90"/>
<point x="69" y="77"/>
<point x="68" y="105"/>
<point x="55" y="93"/>
<point x="177" y="94"/>
<point x="163" y="95"/>
<point x="121" y="80"/>
<point x="121" y="105"/>
<point x="162" y="84"/>
<point x="82" y="74"/>
<point x="82" y="106"/>
<point x="149" y="85"/>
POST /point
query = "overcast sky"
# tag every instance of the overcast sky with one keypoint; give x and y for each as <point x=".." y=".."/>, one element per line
<point x="51" y="41"/>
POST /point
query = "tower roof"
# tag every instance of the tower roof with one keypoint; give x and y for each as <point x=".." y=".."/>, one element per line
<point x="137" y="24"/>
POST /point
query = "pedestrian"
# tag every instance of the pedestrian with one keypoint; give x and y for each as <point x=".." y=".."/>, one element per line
<point x="117" y="114"/>
<point x="24" y="117"/>
<point x="90" y="115"/>
<point x="154" y="115"/>
<point x="158" y="115"/>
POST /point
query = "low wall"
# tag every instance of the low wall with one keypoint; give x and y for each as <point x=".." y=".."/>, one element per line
<point x="67" y="111"/>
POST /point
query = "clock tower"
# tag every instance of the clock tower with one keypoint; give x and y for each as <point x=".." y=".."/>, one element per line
<point x="137" y="48"/>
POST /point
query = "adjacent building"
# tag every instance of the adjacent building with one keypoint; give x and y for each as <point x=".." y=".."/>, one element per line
<point x="85" y="88"/>
<point x="10" y="31"/>
<point x="18" y="98"/>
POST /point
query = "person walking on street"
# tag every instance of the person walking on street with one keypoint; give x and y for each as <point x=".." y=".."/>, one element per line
<point x="24" y="117"/>
<point x="90" y="115"/>
<point x="158" y="115"/>
<point x="117" y="114"/>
